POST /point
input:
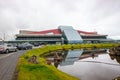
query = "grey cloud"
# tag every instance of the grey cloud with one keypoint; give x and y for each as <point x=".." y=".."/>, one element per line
<point x="106" y="8"/>
<point x="101" y="15"/>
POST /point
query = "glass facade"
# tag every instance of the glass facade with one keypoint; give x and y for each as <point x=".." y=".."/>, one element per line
<point x="70" y="35"/>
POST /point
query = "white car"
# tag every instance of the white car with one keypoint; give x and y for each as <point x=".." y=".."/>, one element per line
<point x="7" y="48"/>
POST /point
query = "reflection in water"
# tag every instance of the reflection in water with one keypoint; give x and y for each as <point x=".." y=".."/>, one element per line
<point x="87" y="55"/>
<point x="115" y="50"/>
<point x="93" y="55"/>
<point x="71" y="56"/>
<point x="57" y="59"/>
<point x="66" y="57"/>
<point x="90" y="66"/>
<point x="56" y="63"/>
<point x="115" y="57"/>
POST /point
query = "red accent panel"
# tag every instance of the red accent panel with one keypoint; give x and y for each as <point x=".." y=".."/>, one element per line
<point x="55" y="31"/>
<point x="84" y="32"/>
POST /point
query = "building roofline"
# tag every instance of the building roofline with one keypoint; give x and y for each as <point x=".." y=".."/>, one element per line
<point x="54" y="31"/>
<point x="93" y="35"/>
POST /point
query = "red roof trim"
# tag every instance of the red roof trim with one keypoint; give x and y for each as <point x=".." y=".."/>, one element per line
<point x="84" y="32"/>
<point x="54" y="31"/>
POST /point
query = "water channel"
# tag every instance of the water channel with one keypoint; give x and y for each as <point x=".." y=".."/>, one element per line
<point x="89" y="65"/>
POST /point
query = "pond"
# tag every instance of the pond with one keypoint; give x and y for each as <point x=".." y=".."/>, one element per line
<point x="89" y="65"/>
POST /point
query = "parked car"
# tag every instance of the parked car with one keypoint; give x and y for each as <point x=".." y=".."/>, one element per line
<point x="6" y="48"/>
<point x="24" y="46"/>
<point x="36" y="44"/>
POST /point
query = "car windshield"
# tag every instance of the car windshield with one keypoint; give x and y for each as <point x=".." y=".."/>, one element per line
<point x="9" y="45"/>
<point x="1" y="45"/>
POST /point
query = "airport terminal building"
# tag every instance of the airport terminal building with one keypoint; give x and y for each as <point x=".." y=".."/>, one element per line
<point x="62" y="35"/>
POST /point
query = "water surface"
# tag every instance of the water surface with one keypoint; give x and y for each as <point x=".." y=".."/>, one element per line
<point x="89" y="66"/>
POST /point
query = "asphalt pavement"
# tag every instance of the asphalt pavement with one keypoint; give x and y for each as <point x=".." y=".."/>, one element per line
<point x="8" y="64"/>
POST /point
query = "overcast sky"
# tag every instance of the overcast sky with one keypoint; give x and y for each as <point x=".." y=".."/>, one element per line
<point x="102" y="16"/>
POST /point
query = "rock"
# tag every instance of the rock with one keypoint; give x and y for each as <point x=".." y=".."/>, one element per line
<point x="33" y="59"/>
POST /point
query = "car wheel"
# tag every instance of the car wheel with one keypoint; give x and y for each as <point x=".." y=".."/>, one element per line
<point x="26" y="48"/>
<point x="7" y="51"/>
<point x="15" y="50"/>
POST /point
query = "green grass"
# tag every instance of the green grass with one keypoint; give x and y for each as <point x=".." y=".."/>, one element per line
<point x="42" y="71"/>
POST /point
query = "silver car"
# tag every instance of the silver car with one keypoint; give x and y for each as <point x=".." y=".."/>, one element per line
<point x="7" y="48"/>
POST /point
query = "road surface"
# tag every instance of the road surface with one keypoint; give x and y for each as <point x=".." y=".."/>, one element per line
<point x="8" y="64"/>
